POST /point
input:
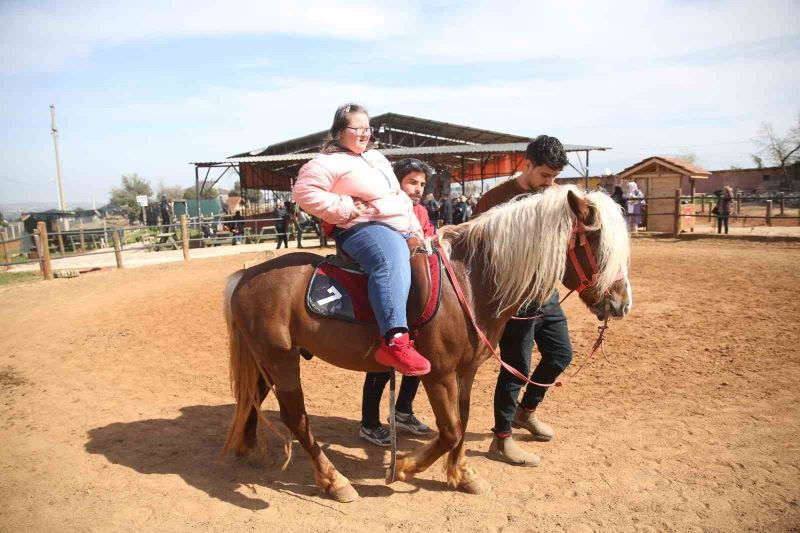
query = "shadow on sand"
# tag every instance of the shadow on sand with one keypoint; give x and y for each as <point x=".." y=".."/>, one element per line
<point x="189" y="446"/>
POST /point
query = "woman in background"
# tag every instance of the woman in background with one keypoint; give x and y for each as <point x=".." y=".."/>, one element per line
<point x="636" y="200"/>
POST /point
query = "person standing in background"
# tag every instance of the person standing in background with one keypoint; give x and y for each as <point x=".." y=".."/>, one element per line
<point x="462" y="211"/>
<point x="447" y="211"/>
<point x="724" y="208"/>
<point x="433" y="207"/>
<point x="282" y="225"/>
<point x="636" y="200"/>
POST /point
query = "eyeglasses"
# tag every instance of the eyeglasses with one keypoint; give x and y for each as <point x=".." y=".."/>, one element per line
<point x="361" y="131"/>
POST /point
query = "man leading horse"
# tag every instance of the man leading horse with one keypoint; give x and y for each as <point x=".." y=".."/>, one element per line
<point x="545" y="158"/>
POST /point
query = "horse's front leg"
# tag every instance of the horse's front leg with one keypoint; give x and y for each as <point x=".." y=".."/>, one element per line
<point x="443" y="395"/>
<point x="460" y="476"/>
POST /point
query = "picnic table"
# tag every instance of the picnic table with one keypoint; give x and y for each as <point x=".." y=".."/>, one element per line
<point x="221" y="237"/>
<point x="166" y="239"/>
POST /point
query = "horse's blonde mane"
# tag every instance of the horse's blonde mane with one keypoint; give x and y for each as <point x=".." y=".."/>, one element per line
<point x="524" y="244"/>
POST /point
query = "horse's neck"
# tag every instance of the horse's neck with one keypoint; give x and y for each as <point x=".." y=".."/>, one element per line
<point x="478" y="290"/>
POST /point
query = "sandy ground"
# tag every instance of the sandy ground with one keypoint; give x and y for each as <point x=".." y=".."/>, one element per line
<point x="114" y="403"/>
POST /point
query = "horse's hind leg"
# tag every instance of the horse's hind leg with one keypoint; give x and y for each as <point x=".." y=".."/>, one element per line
<point x="286" y="370"/>
<point x="460" y="476"/>
<point x="250" y="438"/>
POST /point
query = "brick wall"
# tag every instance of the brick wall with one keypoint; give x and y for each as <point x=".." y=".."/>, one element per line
<point x="748" y="179"/>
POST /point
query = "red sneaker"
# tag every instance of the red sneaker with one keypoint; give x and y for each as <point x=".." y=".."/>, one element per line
<point x="401" y="355"/>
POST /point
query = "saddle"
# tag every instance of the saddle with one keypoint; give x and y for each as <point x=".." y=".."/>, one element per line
<point x="338" y="287"/>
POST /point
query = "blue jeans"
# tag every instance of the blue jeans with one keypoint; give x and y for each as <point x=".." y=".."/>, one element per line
<point x="383" y="253"/>
<point x="551" y="335"/>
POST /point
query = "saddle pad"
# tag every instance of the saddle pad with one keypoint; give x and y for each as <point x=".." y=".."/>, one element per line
<point x="341" y="294"/>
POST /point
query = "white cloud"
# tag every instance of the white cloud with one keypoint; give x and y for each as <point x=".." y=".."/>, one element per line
<point x="46" y="36"/>
<point x="518" y="30"/>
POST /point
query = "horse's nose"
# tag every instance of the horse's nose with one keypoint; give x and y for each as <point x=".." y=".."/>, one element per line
<point x="620" y="309"/>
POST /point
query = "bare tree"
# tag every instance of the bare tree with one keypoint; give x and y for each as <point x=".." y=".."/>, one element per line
<point x="782" y="151"/>
<point x="172" y="192"/>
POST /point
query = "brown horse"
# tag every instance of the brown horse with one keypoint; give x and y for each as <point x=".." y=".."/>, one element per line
<point x="512" y="256"/>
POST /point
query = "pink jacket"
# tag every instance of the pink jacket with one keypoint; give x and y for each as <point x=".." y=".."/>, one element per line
<point x="327" y="185"/>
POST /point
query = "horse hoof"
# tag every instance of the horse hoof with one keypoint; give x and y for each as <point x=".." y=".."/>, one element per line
<point x="399" y="475"/>
<point x="472" y="483"/>
<point x="344" y="494"/>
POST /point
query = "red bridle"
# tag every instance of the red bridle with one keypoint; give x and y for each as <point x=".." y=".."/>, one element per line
<point x="578" y="238"/>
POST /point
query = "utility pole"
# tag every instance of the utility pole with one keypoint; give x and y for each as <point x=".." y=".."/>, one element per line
<point x="62" y="205"/>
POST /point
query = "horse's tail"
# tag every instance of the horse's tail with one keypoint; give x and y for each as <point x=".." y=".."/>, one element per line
<point x="247" y="376"/>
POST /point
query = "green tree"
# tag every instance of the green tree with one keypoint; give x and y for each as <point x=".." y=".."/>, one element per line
<point x="125" y="196"/>
<point x="208" y="193"/>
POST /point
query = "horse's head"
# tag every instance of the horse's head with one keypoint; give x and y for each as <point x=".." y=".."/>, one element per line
<point x="599" y="255"/>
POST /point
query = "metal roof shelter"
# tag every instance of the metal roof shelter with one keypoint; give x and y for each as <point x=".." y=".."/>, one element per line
<point x="465" y="153"/>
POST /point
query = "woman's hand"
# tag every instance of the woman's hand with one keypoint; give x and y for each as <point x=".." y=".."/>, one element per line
<point x="360" y="207"/>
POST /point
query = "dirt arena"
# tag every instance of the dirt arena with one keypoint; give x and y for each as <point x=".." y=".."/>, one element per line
<point x="114" y="403"/>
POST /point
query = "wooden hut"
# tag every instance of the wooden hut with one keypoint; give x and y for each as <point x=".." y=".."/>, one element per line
<point x="658" y="177"/>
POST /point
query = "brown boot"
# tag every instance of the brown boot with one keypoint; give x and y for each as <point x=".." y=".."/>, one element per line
<point x="505" y="449"/>
<point x="524" y="419"/>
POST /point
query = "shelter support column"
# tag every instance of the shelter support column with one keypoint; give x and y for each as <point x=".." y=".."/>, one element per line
<point x="586" y="177"/>
<point x="197" y="192"/>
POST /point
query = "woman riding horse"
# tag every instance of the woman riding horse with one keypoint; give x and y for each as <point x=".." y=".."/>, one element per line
<point x="512" y="256"/>
<point x="352" y="186"/>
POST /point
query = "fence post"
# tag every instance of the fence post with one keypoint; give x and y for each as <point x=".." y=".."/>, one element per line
<point x="61" y="243"/>
<point x="738" y="203"/>
<point x="44" y="251"/>
<point x="4" y="238"/>
<point x="185" y="237"/>
<point x="703" y="204"/>
<point x="676" y="230"/>
<point x="782" y="198"/>
<point x="769" y="212"/>
<point x="117" y="248"/>
<point x="83" y="241"/>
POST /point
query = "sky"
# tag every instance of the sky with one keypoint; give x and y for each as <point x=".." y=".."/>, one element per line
<point x="147" y="87"/>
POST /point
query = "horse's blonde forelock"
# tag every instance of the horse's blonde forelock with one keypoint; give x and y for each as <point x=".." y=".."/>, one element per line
<point x="524" y="244"/>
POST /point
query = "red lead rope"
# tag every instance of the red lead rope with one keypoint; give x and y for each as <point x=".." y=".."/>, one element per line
<point x="468" y="311"/>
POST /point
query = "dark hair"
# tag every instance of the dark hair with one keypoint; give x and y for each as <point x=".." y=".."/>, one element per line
<point x="404" y="167"/>
<point x="545" y="150"/>
<point x="340" y="122"/>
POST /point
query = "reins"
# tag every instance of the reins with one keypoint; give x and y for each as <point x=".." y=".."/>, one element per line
<point x="578" y="237"/>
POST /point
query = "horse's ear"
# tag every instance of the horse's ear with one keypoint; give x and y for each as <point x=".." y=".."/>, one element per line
<point x="579" y="206"/>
